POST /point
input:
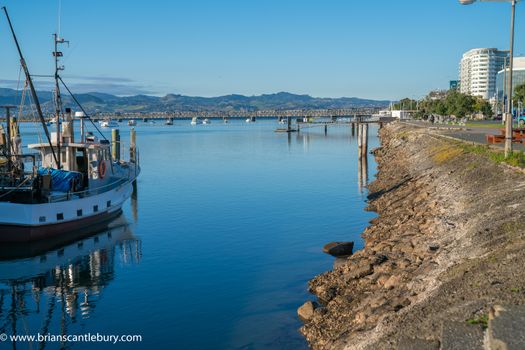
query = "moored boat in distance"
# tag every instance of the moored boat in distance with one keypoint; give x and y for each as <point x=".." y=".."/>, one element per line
<point x="66" y="185"/>
<point x="108" y="123"/>
<point x="194" y="121"/>
<point x="206" y="121"/>
<point x="132" y="122"/>
<point x="169" y="121"/>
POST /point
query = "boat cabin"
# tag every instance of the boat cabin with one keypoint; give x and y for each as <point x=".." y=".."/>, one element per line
<point x="92" y="159"/>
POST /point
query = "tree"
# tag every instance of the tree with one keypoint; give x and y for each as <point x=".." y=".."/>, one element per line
<point x="519" y="94"/>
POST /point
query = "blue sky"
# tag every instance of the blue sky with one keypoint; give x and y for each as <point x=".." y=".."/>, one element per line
<point x="381" y="49"/>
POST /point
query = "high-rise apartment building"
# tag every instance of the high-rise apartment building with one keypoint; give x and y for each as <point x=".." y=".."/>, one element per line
<point x="478" y="70"/>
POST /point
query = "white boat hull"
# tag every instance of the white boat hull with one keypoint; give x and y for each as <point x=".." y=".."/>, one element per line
<point x="24" y="223"/>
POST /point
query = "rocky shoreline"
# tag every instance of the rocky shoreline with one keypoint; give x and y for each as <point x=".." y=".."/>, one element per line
<point x="447" y="245"/>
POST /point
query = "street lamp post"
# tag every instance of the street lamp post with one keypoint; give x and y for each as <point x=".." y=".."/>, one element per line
<point x="508" y="116"/>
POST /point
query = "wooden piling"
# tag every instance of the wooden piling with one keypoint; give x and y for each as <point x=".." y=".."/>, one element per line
<point x="353" y="129"/>
<point x="132" y="146"/>
<point x="326" y="129"/>
<point x="115" y="145"/>
<point x="365" y="140"/>
<point x="359" y="141"/>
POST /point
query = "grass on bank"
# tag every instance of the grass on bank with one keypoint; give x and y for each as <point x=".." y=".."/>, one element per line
<point x="490" y="125"/>
<point x="448" y="152"/>
<point x="485" y="125"/>
<point x="517" y="158"/>
<point x="482" y="320"/>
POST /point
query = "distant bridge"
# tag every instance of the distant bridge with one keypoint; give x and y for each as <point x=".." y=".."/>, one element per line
<point x="276" y="113"/>
<point x="268" y="113"/>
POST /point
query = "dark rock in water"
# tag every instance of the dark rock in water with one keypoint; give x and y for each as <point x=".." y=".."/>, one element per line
<point x="339" y="249"/>
<point x="306" y="311"/>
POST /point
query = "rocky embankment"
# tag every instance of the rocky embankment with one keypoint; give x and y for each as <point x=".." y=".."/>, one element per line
<point x="448" y="244"/>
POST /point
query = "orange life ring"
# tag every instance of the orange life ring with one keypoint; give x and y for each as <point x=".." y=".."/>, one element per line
<point x="102" y="169"/>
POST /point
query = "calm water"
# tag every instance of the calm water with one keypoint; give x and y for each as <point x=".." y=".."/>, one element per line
<point x="214" y="252"/>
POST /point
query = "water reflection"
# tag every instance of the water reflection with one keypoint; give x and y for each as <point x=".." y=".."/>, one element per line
<point x="52" y="290"/>
<point x="134" y="202"/>
<point x="362" y="170"/>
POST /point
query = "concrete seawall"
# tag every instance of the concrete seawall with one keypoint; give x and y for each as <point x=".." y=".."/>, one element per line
<point x="447" y="246"/>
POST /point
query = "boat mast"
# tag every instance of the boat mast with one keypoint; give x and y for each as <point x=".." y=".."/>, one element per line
<point x="31" y="86"/>
<point x="58" y="98"/>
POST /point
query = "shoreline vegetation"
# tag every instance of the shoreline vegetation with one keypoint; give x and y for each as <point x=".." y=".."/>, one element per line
<point x="445" y="252"/>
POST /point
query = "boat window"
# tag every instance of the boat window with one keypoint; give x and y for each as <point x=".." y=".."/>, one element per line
<point x="79" y="212"/>
<point x="60" y="216"/>
<point x="42" y="219"/>
<point x="95" y="208"/>
<point x="108" y="204"/>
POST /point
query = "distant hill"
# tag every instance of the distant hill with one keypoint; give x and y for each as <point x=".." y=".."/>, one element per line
<point x="101" y="102"/>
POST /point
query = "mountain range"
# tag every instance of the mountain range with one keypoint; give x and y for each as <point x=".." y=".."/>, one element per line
<point x="106" y="103"/>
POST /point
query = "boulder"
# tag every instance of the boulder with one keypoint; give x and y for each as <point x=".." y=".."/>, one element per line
<point x="339" y="249"/>
<point x="361" y="271"/>
<point x="306" y="311"/>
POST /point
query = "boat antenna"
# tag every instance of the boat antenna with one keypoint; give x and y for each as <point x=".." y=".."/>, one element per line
<point x="58" y="98"/>
<point x="31" y="86"/>
<point x="82" y="108"/>
<point x="59" y="13"/>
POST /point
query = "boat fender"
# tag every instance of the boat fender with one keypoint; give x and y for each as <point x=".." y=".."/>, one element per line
<point x="102" y="169"/>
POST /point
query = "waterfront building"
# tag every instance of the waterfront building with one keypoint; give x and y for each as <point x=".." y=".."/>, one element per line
<point x="478" y="70"/>
<point x="518" y="77"/>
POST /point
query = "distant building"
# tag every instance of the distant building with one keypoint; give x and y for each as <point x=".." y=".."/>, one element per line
<point x="437" y="95"/>
<point x="401" y="114"/>
<point x="478" y="71"/>
<point x="518" y="77"/>
<point x="454" y="84"/>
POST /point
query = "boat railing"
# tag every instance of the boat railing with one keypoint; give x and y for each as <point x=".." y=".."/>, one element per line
<point x="64" y="196"/>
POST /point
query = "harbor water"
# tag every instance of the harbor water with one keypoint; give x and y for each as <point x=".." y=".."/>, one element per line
<point x="214" y="250"/>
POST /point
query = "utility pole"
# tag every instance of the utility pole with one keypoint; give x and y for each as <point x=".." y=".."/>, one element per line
<point x="508" y="120"/>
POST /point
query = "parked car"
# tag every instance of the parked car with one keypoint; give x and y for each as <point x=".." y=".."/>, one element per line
<point x="521" y="120"/>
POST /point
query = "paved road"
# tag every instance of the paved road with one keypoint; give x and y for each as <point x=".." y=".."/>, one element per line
<point x="469" y="133"/>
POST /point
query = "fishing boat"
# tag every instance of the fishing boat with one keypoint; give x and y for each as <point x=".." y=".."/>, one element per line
<point x="206" y="121"/>
<point x="169" y="121"/>
<point x="62" y="184"/>
<point x="194" y="121"/>
<point x="108" y="123"/>
<point x="132" y="122"/>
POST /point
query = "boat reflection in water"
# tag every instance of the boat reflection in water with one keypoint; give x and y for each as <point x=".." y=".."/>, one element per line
<point x="45" y="289"/>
